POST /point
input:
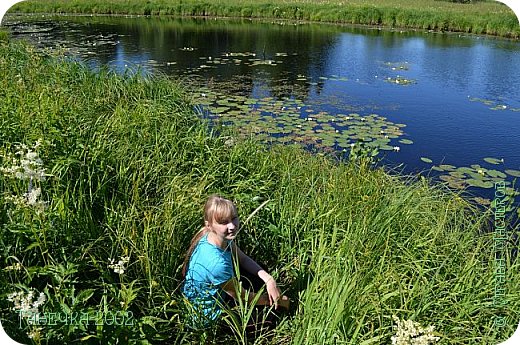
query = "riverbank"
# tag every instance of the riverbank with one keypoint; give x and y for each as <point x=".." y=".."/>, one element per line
<point x="130" y="166"/>
<point x="491" y="18"/>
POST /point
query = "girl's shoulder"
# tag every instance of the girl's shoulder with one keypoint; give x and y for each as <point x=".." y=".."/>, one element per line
<point x="205" y="246"/>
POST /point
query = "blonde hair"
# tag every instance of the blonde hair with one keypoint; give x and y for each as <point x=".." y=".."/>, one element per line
<point x="216" y="209"/>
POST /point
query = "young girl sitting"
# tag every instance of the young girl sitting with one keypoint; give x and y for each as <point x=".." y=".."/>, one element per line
<point x="208" y="266"/>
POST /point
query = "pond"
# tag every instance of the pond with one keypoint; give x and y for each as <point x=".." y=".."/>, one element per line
<point x="444" y="105"/>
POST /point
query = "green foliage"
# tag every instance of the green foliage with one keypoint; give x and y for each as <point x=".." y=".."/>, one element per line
<point x="4" y="36"/>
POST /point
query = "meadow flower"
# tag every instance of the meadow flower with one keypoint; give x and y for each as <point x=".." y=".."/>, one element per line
<point x="409" y="332"/>
<point x="16" y="200"/>
<point x="35" y="333"/>
<point x="119" y="267"/>
<point x="32" y="196"/>
<point x="28" y="166"/>
<point x="24" y="304"/>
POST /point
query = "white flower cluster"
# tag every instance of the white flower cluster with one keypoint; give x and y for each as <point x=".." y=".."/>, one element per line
<point x="25" y="163"/>
<point x="409" y="332"/>
<point x="24" y="304"/>
<point x="29" y="199"/>
<point x="35" y="333"/>
<point x="119" y="267"/>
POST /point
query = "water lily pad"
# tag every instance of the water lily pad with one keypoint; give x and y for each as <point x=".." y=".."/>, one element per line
<point x="426" y="160"/>
<point x="447" y="167"/>
<point x="457" y="174"/>
<point x="406" y="141"/>
<point x="479" y="183"/>
<point x="492" y="160"/>
<point x="220" y="110"/>
<point x="436" y="168"/>
<point x="496" y="173"/>
<point x="482" y="201"/>
<point x="465" y="170"/>
<point x="456" y="184"/>
<point x="514" y="173"/>
<point x="453" y="182"/>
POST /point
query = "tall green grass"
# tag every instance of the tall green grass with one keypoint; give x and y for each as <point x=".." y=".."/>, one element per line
<point x="487" y="17"/>
<point x="131" y="167"/>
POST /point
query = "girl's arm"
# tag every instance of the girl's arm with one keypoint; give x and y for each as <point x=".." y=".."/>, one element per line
<point x="230" y="287"/>
<point x="252" y="267"/>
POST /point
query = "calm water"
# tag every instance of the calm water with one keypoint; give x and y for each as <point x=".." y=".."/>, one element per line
<point x="462" y="104"/>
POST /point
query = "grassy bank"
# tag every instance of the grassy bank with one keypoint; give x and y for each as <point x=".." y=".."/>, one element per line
<point x="130" y="167"/>
<point x="487" y="17"/>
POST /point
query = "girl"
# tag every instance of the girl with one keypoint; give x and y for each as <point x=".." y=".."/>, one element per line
<point x="208" y="266"/>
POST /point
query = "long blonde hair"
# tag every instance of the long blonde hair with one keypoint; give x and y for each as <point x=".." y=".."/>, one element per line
<point x="216" y="209"/>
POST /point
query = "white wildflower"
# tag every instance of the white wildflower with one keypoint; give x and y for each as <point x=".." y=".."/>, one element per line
<point x="24" y="304"/>
<point x="119" y="267"/>
<point x="16" y="200"/>
<point x="32" y="156"/>
<point x="35" y="333"/>
<point x="32" y="196"/>
<point x="27" y="166"/>
<point x="409" y="332"/>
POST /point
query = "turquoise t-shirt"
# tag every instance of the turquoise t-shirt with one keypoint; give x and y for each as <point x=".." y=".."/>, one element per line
<point x="209" y="267"/>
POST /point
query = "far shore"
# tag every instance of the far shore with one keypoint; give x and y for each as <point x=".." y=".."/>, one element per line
<point x="481" y="18"/>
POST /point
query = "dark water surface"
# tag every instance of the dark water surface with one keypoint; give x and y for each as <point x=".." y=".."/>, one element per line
<point x="457" y="95"/>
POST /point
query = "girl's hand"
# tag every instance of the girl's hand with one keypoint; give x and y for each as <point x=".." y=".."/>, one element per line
<point x="273" y="292"/>
<point x="275" y="296"/>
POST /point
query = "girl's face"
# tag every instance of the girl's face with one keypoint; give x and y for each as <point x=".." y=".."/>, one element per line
<point x="226" y="229"/>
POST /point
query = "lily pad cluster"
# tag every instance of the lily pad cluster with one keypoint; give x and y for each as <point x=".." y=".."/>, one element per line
<point x="290" y="120"/>
<point x="240" y="58"/>
<point x="400" y="80"/>
<point x="475" y="175"/>
<point x="395" y="66"/>
<point x="493" y="105"/>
